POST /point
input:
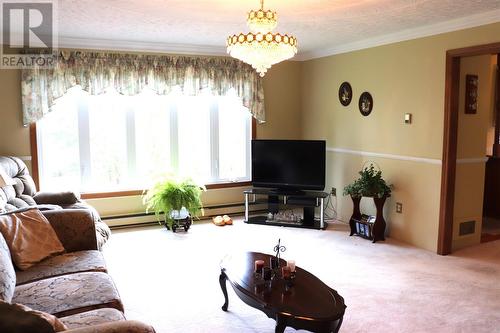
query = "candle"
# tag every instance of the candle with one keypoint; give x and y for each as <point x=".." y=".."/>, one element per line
<point x="286" y="272"/>
<point x="259" y="264"/>
<point x="291" y="264"/>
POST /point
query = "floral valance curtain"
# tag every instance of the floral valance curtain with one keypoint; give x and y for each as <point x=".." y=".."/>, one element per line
<point x="129" y="74"/>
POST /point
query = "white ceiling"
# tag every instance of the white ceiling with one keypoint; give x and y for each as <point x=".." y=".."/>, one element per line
<point x="321" y="26"/>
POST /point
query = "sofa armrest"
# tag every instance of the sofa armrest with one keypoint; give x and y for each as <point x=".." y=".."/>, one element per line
<point x="56" y="198"/>
<point x="126" y="326"/>
<point x="74" y="227"/>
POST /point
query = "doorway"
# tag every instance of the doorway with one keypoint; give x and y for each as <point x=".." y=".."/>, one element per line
<point x="491" y="211"/>
<point x="450" y="141"/>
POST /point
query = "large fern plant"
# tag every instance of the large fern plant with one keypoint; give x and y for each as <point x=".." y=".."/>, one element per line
<point x="168" y="197"/>
<point x="369" y="184"/>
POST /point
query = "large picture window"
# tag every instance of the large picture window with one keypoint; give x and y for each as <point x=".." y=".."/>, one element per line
<point x="112" y="142"/>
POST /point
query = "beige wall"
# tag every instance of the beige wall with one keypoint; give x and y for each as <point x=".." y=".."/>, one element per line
<point x="14" y="138"/>
<point x="282" y="102"/>
<point x="301" y="101"/>
<point x="472" y="148"/>
<point x="406" y="77"/>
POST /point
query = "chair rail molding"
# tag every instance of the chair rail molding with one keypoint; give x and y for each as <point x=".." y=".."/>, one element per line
<point x="383" y="155"/>
<point x="473" y="160"/>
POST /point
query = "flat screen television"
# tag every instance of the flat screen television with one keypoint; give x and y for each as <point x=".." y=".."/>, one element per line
<point x="294" y="165"/>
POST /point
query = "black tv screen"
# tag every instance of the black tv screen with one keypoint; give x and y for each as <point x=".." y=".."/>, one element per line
<point x="289" y="164"/>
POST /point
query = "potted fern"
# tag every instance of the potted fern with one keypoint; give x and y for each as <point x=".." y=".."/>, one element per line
<point x="177" y="201"/>
<point x="369" y="184"/>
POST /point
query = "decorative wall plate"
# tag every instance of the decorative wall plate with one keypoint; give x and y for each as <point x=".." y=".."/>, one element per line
<point x="345" y="93"/>
<point x="365" y="103"/>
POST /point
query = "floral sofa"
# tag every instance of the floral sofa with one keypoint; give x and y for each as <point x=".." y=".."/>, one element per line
<point x="73" y="286"/>
<point x="23" y="194"/>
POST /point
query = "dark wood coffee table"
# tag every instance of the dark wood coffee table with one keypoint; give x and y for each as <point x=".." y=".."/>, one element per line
<point x="309" y="304"/>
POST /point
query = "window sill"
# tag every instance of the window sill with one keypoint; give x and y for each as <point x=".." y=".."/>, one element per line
<point x="102" y="195"/>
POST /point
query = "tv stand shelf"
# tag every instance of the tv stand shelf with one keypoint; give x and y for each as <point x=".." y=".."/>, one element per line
<point x="276" y="200"/>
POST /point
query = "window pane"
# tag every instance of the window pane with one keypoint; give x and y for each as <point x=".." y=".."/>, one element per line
<point x="234" y="139"/>
<point x="108" y="143"/>
<point x="112" y="142"/>
<point x="194" y="138"/>
<point x="58" y="145"/>
<point x="152" y="123"/>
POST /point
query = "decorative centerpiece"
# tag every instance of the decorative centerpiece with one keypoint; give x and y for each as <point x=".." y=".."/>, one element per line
<point x="275" y="261"/>
<point x="275" y="271"/>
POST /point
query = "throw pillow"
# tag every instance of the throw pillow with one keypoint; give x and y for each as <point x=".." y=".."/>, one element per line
<point x="20" y="318"/>
<point x="30" y="237"/>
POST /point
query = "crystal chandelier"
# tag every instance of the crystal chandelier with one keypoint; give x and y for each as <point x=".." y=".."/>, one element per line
<point x="260" y="47"/>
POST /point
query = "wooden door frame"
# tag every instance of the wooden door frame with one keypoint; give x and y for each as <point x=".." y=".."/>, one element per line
<point x="449" y="161"/>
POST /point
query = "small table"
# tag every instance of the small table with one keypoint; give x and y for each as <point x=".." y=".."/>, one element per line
<point x="309" y="304"/>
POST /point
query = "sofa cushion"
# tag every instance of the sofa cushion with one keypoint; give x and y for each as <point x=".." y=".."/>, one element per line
<point x="13" y="311"/>
<point x="91" y="318"/>
<point x="7" y="273"/>
<point x="69" y="294"/>
<point x="30" y="237"/>
<point x="68" y="263"/>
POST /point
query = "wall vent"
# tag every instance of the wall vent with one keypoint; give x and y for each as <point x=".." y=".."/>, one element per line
<point x="467" y="228"/>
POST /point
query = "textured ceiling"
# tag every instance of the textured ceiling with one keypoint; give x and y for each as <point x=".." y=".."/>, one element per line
<point x="316" y="23"/>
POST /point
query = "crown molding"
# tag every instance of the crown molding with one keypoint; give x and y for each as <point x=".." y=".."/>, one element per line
<point x="407" y="34"/>
<point x="122" y="45"/>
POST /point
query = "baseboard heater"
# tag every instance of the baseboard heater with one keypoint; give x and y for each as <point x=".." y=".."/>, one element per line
<point x="145" y="216"/>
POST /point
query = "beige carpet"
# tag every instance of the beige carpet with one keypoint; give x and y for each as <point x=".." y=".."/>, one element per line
<point x="171" y="280"/>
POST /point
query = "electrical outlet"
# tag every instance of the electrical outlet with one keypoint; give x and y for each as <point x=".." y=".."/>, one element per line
<point x="399" y="207"/>
<point x="334" y="191"/>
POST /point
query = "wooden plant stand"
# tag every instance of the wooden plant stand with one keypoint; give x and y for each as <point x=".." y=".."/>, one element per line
<point x="375" y="232"/>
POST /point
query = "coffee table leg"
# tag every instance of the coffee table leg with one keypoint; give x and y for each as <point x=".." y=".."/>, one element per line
<point x="280" y="324"/>
<point x="222" y="281"/>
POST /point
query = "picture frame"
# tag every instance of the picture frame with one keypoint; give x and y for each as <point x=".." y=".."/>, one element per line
<point x="365" y="103"/>
<point x="345" y="93"/>
<point x="471" y="92"/>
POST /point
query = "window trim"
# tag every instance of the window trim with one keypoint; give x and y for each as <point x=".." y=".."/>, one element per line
<point x="35" y="173"/>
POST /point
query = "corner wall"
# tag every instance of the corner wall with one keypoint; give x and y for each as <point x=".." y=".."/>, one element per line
<point x="405" y="77"/>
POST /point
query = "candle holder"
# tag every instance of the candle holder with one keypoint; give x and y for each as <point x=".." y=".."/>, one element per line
<point x="289" y="282"/>
<point x="267" y="273"/>
<point x="278" y="249"/>
<point x="274" y="263"/>
<point x="258" y="267"/>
